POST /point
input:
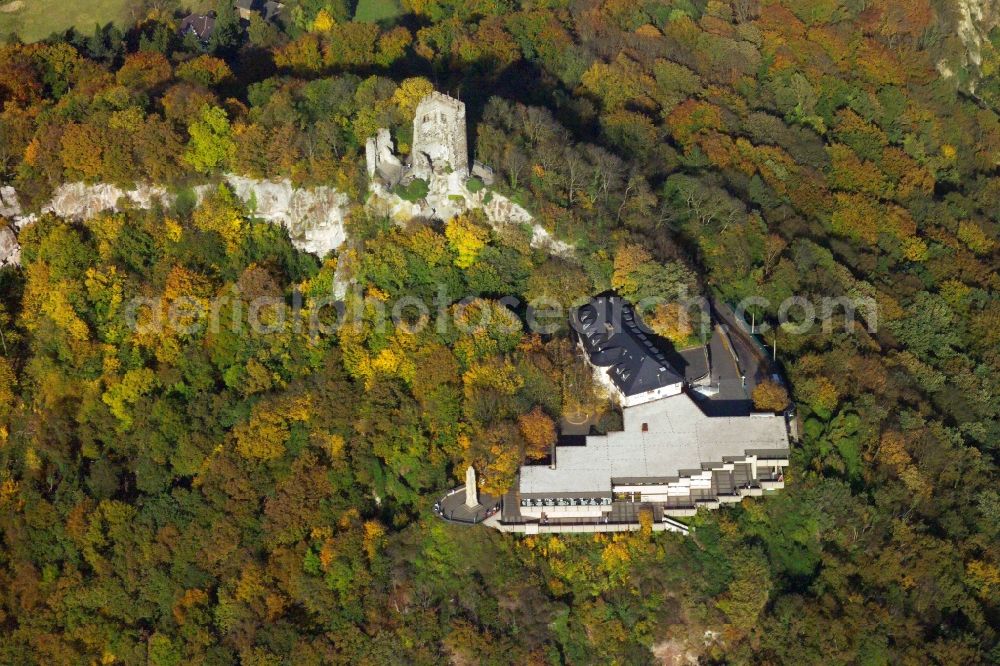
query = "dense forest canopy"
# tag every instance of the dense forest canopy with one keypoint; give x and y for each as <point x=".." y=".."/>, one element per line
<point x="214" y="496"/>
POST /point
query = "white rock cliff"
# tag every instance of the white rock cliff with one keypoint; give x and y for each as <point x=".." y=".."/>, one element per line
<point x="314" y="217"/>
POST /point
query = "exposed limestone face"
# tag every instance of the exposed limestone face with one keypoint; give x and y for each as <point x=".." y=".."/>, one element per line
<point x="314" y="217"/>
<point x="10" y="207"/>
<point x="499" y="211"/>
<point x="79" y="201"/>
<point x="10" y="250"/>
<point x="441" y="157"/>
<point x="439" y="141"/>
<point x="972" y="21"/>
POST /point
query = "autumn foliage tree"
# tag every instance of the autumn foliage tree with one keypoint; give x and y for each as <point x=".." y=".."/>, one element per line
<point x="539" y="432"/>
<point x="770" y="396"/>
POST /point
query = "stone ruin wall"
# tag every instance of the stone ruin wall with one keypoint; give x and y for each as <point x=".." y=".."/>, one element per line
<point x="439" y="139"/>
<point x="440" y="156"/>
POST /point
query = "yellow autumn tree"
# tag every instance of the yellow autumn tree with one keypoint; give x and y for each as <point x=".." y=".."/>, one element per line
<point x="408" y="95"/>
<point x="264" y="436"/>
<point x="818" y="392"/>
<point x="628" y="259"/>
<point x="973" y="236"/>
<point x="539" y="432"/>
<point x="122" y="396"/>
<point x="616" y="559"/>
<point x="323" y="22"/>
<point x="8" y="384"/>
<point x="106" y="291"/>
<point x="185" y="287"/>
<point x="770" y="396"/>
<point x="374" y="538"/>
<point x="892" y="452"/>
<point x="502" y="377"/>
<point x="671" y="320"/>
<point x="220" y="213"/>
<point x="503" y="460"/>
<point x="467" y="240"/>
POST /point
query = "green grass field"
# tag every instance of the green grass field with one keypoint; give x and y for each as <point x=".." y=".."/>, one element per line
<point x="32" y="20"/>
<point x="374" y="11"/>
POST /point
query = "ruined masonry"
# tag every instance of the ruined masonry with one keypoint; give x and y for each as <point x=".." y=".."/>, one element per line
<point x="439" y="149"/>
<point x="381" y="160"/>
<point x="440" y="156"/>
<point x="439" y="141"/>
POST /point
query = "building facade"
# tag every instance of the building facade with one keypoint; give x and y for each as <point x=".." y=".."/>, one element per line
<point x="669" y="459"/>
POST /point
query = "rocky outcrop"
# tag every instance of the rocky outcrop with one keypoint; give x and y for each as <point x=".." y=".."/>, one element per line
<point x="381" y="160"/>
<point x="448" y="199"/>
<point x="10" y="207"/>
<point x="79" y="201"/>
<point x="314" y="217"/>
<point x="972" y="21"/>
<point x="10" y="250"/>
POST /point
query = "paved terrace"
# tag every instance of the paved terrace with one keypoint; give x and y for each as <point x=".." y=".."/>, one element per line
<point x="452" y="507"/>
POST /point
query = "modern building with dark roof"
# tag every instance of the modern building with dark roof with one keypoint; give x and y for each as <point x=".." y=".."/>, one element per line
<point x="623" y="352"/>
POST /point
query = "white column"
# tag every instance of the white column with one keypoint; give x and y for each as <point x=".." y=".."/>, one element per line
<point x="471" y="497"/>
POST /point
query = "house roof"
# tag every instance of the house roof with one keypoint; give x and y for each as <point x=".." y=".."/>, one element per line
<point x="272" y="9"/>
<point x="269" y="9"/>
<point x="201" y="25"/>
<point x="678" y="437"/>
<point x="615" y="338"/>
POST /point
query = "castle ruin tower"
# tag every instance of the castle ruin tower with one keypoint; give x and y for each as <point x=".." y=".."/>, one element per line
<point x="439" y="140"/>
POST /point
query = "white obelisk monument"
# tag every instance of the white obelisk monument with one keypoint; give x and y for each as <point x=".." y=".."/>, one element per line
<point x="471" y="497"/>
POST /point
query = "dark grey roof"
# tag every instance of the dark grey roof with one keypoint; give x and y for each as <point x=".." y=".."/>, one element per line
<point x="201" y="25"/>
<point x="271" y="10"/>
<point x="615" y="338"/>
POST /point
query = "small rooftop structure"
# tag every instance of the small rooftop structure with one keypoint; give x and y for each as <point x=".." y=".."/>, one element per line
<point x="622" y="351"/>
<point x="268" y="10"/>
<point x="200" y="25"/>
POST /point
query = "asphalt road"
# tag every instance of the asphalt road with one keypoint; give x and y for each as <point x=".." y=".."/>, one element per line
<point x="752" y="363"/>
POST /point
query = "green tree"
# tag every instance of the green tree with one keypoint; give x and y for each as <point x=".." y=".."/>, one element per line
<point x="211" y="145"/>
